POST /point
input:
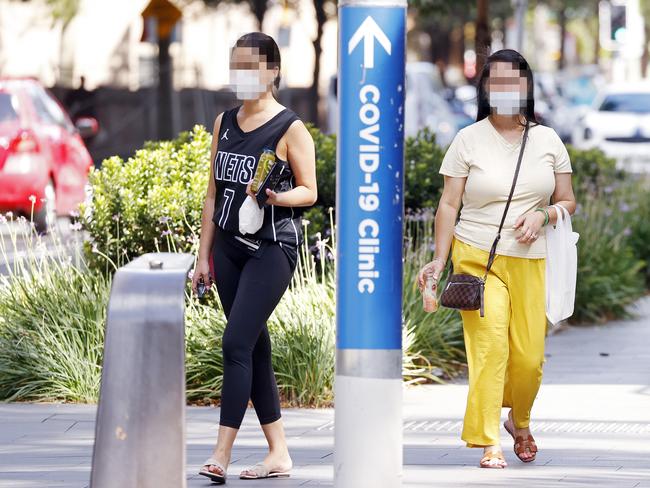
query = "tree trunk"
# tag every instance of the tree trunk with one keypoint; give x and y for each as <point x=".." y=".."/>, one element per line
<point x="645" y="56"/>
<point x="164" y="90"/>
<point x="440" y="43"/>
<point x="66" y="65"/>
<point x="457" y="45"/>
<point x="259" y="10"/>
<point x="318" y="49"/>
<point x="562" y="22"/>
<point x="482" y="40"/>
<point x="597" y="43"/>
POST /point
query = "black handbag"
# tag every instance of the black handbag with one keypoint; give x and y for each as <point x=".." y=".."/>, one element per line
<point x="465" y="291"/>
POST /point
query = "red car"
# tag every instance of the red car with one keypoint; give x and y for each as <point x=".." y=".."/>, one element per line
<point x="43" y="158"/>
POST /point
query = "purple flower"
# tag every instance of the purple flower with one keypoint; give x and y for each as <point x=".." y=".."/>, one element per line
<point x="165" y="232"/>
<point x="608" y="189"/>
<point x="76" y="226"/>
<point x="624" y="207"/>
<point x="627" y="232"/>
<point x="116" y="216"/>
<point x="164" y="219"/>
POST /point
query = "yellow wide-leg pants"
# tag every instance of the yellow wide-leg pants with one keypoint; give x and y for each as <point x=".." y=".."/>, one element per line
<point x="505" y="348"/>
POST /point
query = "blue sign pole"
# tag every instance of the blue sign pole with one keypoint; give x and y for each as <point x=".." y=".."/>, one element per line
<point x="369" y="218"/>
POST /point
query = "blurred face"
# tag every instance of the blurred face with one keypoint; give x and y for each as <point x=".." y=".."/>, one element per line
<point x="250" y="75"/>
<point x="506" y="88"/>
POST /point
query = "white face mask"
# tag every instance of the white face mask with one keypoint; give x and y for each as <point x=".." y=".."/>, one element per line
<point x="506" y="102"/>
<point x="246" y="83"/>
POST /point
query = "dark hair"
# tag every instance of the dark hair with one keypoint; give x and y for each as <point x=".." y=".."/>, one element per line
<point x="266" y="46"/>
<point x="516" y="59"/>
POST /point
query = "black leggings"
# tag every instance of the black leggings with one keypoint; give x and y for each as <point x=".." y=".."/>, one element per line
<point x="249" y="289"/>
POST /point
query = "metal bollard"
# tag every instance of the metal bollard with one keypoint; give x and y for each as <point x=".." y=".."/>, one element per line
<point x="140" y="425"/>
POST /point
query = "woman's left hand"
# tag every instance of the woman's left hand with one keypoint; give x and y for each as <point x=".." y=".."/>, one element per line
<point x="529" y="225"/>
<point x="272" y="196"/>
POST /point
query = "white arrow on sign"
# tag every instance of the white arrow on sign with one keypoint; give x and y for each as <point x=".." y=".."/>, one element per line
<point x="367" y="32"/>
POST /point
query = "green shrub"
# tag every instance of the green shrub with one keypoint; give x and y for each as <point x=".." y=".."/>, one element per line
<point x="422" y="182"/>
<point x="204" y="326"/>
<point x="52" y="332"/>
<point x="437" y="336"/>
<point x="51" y="327"/>
<point x="640" y="227"/>
<point x="593" y="170"/>
<point x="609" y="277"/>
<point x="153" y="201"/>
<point x="317" y="216"/>
<point x="325" y="166"/>
<point x="51" y="324"/>
<point x="613" y="218"/>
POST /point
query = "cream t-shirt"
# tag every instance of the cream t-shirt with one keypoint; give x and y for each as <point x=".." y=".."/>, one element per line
<point x="480" y="153"/>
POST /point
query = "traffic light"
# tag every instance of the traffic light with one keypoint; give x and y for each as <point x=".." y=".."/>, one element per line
<point x="617" y="22"/>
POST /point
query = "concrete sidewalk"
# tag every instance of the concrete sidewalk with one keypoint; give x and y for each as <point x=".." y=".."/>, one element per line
<point x="591" y="422"/>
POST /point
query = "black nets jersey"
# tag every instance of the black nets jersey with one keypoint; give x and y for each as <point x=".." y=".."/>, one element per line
<point x="233" y="167"/>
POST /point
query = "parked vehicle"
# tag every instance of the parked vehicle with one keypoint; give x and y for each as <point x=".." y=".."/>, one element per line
<point x="575" y="90"/>
<point x="619" y="124"/>
<point x="425" y="104"/>
<point x="467" y="97"/>
<point x="43" y="159"/>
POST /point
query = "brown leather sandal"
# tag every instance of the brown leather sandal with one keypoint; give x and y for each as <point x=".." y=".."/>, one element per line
<point x="522" y="445"/>
<point x="489" y="456"/>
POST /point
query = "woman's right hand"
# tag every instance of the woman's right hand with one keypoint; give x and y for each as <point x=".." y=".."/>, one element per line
<point x="201" y="270"/>
<point x="436" y="267"/>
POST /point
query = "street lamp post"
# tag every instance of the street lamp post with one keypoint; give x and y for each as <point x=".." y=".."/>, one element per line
<point x="369" y="218"/>
<point x="164" y="15"/>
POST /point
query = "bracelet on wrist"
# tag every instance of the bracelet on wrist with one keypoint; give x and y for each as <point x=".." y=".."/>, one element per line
<point x="546" y="215"/>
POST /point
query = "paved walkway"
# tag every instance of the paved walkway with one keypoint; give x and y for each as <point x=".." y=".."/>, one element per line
<point x="591" y="420"/>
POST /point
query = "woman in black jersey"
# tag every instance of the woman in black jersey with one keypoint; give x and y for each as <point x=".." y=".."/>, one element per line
<point x="252" y="271"/>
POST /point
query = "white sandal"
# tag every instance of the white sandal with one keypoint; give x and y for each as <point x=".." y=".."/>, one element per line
<point x="215" y="477"/>
<point x="262" y="471"/>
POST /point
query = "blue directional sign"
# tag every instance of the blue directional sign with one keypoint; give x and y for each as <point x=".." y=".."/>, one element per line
<point x="370" y="177"/>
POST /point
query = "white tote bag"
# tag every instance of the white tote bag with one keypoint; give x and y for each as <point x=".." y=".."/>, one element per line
<point x="561" y="267"/>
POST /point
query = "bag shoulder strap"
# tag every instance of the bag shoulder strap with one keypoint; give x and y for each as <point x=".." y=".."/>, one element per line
<point x="512" y="190"/>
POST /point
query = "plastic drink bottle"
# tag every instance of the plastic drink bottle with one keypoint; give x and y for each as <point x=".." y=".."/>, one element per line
<point x="264" y="165"/>
<point x="429" y="298"/>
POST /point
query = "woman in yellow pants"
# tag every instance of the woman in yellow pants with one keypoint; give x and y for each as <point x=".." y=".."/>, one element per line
<point x="505" y="347"/>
